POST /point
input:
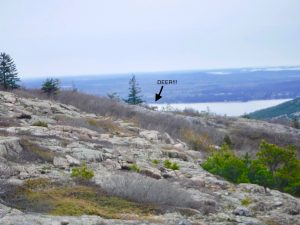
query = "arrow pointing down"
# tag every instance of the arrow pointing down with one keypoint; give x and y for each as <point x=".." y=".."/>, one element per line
<point x="158" y="96"/>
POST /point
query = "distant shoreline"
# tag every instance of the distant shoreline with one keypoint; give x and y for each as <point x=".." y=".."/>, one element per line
<point x="230" y="108"/>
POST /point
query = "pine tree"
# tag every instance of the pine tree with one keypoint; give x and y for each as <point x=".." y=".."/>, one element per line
<point x="134" y="97"/>
<point x="50" y="86"/>
<point x="8" y="72"/>
<point x="295" y="123"/>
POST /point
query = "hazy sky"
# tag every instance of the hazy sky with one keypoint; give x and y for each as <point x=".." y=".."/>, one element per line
<point x="71" y="37"/>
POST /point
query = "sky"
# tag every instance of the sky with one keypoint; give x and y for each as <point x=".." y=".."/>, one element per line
<point x="75" y="37"/>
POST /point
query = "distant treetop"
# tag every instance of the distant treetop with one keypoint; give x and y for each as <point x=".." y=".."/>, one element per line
<point x="134" y="97"/>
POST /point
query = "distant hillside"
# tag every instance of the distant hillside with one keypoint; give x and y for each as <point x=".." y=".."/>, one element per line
<point x="288" y="109"/>
<point x="193" y="86"/>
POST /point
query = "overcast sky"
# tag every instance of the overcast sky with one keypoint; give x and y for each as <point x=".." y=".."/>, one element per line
<point x="73" y="37"/>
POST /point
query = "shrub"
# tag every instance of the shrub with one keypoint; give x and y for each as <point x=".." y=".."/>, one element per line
<point x="274" y="156"/>
<point x="40" y="124"/>
<point x="82" y="173"/>
<point x="134" y="167"/>
<point x="259" y="174"/>
<point x="171" y="165"/>
<point x="275" y="167"/>
<point x="155" y="161"/>
<point x="196" y="141"/>
<point x="246" y="201"/>
<point x="136" y="187"/>
<point x="226" y="164"/>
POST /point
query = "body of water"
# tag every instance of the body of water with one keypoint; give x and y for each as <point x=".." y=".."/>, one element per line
<point x="225" y="108"/>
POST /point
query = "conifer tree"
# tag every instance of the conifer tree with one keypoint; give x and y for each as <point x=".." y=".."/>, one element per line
<point x="50" y="86"/>
<point x="8" y="72"/>
<point x="134" y="97"/>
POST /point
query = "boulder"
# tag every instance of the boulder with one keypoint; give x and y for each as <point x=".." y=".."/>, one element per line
<point x="151" y="172"/>
<point x="150" y="135"/>
<point x="61" y="162"/>
<point x="241" y="211"/>
<point x="72" y="161"/>
<point x="175" y="154"/>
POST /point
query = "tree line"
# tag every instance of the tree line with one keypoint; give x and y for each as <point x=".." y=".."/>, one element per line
<point x="9" y="80"/>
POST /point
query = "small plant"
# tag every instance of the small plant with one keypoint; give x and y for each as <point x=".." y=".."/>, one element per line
<point x="135" y="168"/>
<point x="246" y="201"/>
<point x="171" y="165"/>
<point x="155" y="161"/>
<point x="82" y="173"/>
<point x="40" y="124"/>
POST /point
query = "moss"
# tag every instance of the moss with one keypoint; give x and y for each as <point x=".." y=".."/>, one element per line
<point x="40" y="124"/>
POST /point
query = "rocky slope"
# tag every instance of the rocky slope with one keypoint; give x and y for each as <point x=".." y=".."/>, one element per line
<point x="44" y="140"/>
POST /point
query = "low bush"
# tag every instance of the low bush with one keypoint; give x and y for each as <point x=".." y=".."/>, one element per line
<point x="82" y="173"/>
<point x="275" y="167"/>
<point x="171" y="165"/>
<point x="198" y="142"/>
<point x="134" y="167"/>
<point x="40" y="124"/>
<point x="226" y="164"/>
<point x="155" y="161"/>
<point x="246" y="201"/>
<point x="136" y="187"/>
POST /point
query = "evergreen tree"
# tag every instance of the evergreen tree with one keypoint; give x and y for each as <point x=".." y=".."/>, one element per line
<point x="134" y="97"/>
<point x="50" y="86"/>
<point x="8" y="72"/>
<point x="295" y="123"/>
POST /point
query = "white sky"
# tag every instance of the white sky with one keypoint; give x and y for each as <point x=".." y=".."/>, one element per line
<point x="72" y="37"/>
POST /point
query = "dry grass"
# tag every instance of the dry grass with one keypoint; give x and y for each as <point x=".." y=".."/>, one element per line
<point x="44" y="196"/>
<point x="108" y="125"/>
<point x="33" y="152"/>
<point x="144" y="189"/>
<point x="199" y="142"/>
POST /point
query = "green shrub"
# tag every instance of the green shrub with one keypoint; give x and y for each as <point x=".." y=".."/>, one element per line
<point x="155" y="161"/>
<point x="82" y="173"/>
<point x="226" y="164"/>
<point x="134" y="167"/>
<point x="40" y="124"/>
<point x="275" y="167"/>
<point x="246" y="201"/>
<point x="171" y="165"/>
